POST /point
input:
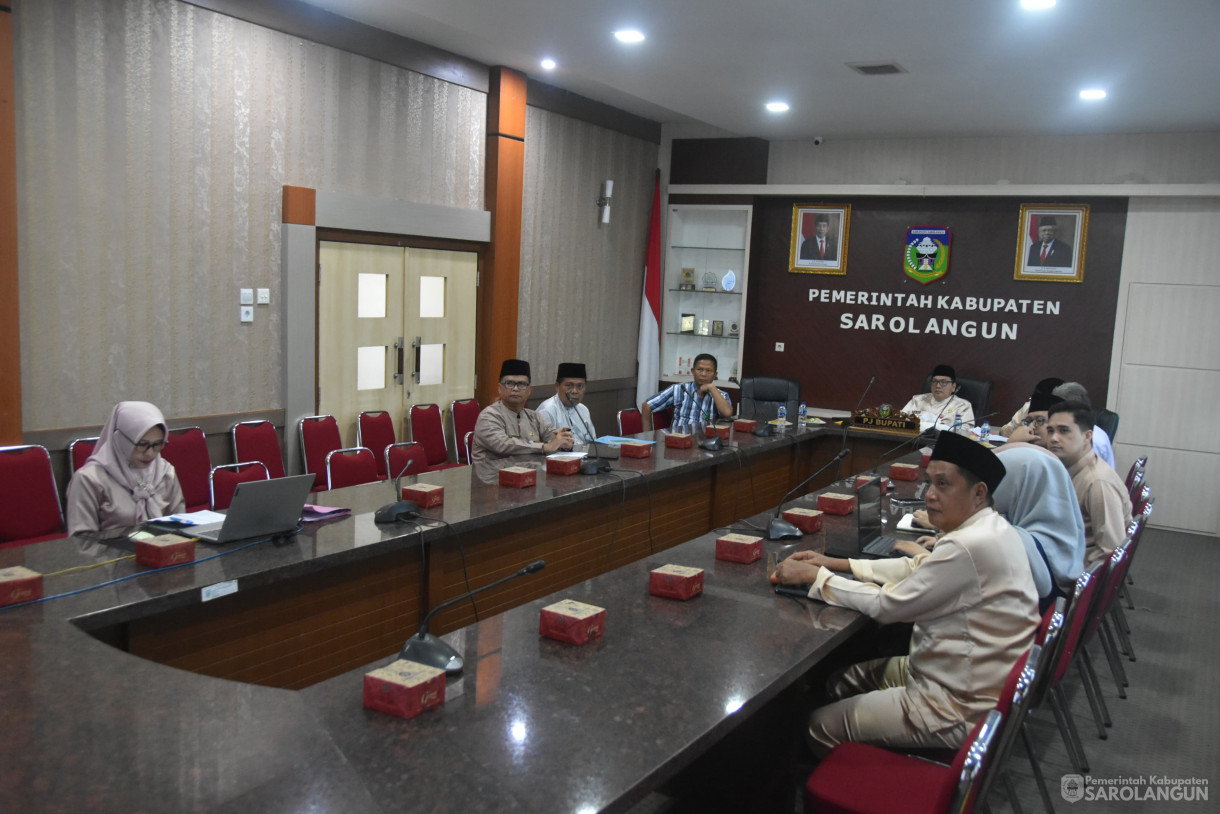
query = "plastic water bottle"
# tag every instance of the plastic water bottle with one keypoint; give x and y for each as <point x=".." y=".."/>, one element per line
<point x="802" y="415"/>
<point x="957" y="423"/>
<point x="986" y="430"/>
<point x="783" y="413"/>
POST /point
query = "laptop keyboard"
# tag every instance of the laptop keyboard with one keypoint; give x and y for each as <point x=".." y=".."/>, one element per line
<point x="881" y="547"/>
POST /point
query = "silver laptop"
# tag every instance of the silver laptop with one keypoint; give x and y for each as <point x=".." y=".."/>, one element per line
<point x="260" y="508"/>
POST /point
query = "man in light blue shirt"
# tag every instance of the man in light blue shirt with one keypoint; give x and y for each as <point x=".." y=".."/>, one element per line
<point x="565" y="408"/>
<point x="694" y="402"/>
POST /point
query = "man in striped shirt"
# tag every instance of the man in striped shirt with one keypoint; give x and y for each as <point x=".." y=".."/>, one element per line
<point x="698" y="401"/>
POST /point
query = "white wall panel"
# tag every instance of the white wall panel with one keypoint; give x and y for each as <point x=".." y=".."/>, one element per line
<point x="1173" y="241"/>
<point x="1161" y="407"/>
<point x="1174" y="326"/>
<point x="1186" y="486"/>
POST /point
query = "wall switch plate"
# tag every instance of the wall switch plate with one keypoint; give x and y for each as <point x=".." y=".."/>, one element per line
<point x="247" y="313"/>
<point x="247" y="296"/>
<point x="779" y="347"/>
<point x="264" y="296"/>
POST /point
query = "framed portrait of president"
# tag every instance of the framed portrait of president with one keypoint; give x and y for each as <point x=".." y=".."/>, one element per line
<point x="1051" y="241"/>
<point x="819" y="238"/>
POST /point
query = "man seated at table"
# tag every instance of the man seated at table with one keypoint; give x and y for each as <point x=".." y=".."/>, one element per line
<point x="1074" y="391"/>
<point x="1031" y="428"/>
<point x="1044" y="386"/>
<point x="972" y="601"/>
<point x="1104" y="502"/>
<point x="694" y="402"/>
<point x="506" y="428"/>
<point x="565" y="408"/>
<point x="942" y="406"/>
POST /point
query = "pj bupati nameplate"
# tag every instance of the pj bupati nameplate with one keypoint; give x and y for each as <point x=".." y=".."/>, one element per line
<point x="895" y="422"/>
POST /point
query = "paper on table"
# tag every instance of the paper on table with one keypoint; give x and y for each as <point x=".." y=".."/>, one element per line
<point x="191" y="518"/>
<point x="312" y="514"/>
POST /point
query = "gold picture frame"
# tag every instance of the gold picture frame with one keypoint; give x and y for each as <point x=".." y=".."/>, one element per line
<point x="808" y="255"/>
<point x="1059" y="259"/>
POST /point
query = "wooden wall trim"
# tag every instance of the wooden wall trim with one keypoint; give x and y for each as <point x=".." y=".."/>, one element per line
<point x="496" y="337"/>
<point x="10" y="309"/>
<point x="300" y="205"/>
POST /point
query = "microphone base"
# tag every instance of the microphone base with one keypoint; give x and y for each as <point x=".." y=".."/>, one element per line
<point x="781" y="529"/>
<point x="711" y="444"/>
<point x="428" y="649"/>
<point x="594" y="466"/>
<point x="394" y="512"/>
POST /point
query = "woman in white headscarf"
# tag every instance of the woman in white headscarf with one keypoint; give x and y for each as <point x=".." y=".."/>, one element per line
<point x="125" y="481"/>
<point x="1038" y="499"/>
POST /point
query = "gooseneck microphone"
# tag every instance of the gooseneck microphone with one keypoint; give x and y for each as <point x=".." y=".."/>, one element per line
<point x="594" y="465"/>
<point x="425" y="648"/>
<point x="399" y="509"/>
<point x="779" y="528"/>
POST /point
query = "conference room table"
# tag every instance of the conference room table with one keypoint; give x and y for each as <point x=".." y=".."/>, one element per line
<point x="264" y="712"/>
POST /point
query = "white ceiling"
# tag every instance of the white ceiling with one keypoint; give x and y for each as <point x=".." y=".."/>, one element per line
<point x="975" y="67"/>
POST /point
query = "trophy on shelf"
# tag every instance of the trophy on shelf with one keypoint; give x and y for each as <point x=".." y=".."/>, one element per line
<point x="688" y="280"/>
<point x="734" y="330"/>
<point x="709" y="282"/>
<point x="688" y="324"/>
<point x="729" y="281"/>
<point x="717" y="327"/>
<point x="705" y="327"/>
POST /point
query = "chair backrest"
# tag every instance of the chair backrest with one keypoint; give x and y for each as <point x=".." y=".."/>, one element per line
<point x="258" y="441"/>
<point x="350" y="466"/>
<point x="975" y="391"/>
<point x="972" y="761"/>
<point x="187" y="449"/>
<point x="1138" y="465"/>
<point x="761" y="397"/>
<point x="223" y="480"/>
<point x="663" y="419"/>
<point x="1013" y="704"/>
<point x="79" y="452"/>
<point x="319" y="435"/>
<point x="375" y="430"/>
<point x="1137" y="483"/>
<point x="1107" y="420"/>
<point x="29" y="498"/>
<point x="1107" y="593"/>
<point x="1077" y="615"/>
<point x="463" y="414"/>
<point x="397" y="456"/>
<point x="1047" y="638"/>
<point x="428" y="429"/>
<point x="467" y="440"/>
<point x="630" y="421"/>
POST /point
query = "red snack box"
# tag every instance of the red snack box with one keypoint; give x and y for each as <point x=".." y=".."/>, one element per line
<point x="745" y="425"/>
<point x="518" y="476"/>
<point x="807" y="520"/>
<point x="572" y="622"/>
<point x="739" y="548"/>
<point x="19" y="584"/>
<point x="635" y="449"/>
<point x="563" y="465"/>
<point x="678" y="440"/>
<point x="863" y="479"/>
<point x="835" y="503"/>
<point x="404" y="688"/>
<point x="904" y="471"/>
<point x="165" y="549"/>
<point x="925" y="459"/>
<point x="711" y="431"/>
<point x="675" y="581"/>
<point x="424" y="495"/>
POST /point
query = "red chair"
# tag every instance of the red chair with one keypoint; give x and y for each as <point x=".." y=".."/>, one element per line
<point x="662" y="419"/>
<point x="397" y="456"/>
<point x="187" y="449"/>
<point x="350" y="467"/>
<point x="223" y="480"/>
<point x="79" y="452"/>
<point x="467" y="440"/>
<point x="428" y="429"/>
<point x="1137" y="481"/>
<point x="630" y="422"/>
<point x="858" y="778"/>
<point x="463" y="415"/>
<point x="258" y="441"/>
<point x="29" y="499"/>
<point x="319" y="435"/>
<point x="375" y="430"/>
<point x="1138" y="466"/>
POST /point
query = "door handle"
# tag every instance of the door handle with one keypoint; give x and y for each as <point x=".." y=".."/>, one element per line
<point x="418" y="346"/>
<point x="398" y="351"/>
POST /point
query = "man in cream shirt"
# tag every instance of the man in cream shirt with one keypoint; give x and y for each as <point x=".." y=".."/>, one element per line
<point x="972" y="601"/>
<point x="941" y="405"/>
<point x="565" y="408"/>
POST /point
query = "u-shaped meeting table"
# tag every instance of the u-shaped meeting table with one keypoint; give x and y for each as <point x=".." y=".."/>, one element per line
<point x="147" y="694"/>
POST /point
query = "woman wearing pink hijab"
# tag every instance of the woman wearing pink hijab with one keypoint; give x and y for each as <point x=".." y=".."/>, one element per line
<point x="125" y="481"/>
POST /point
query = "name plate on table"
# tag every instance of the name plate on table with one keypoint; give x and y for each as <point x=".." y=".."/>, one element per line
<point x="895" y="422"/>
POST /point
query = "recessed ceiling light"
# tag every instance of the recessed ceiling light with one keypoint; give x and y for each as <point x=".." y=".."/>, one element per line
<point x="548" y="64"/>
<point x="1092" y="94"/>
<point x="1037" y="5"/>
<point x="629" y="35"/>
<point x="777" y="107"/>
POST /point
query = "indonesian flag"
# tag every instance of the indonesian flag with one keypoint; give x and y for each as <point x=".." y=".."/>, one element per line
<point x="649" y="355"/>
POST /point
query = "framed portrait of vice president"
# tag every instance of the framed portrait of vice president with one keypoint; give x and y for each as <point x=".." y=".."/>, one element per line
<point x="1051" y="241"/>
<point x="819" y="238"/>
